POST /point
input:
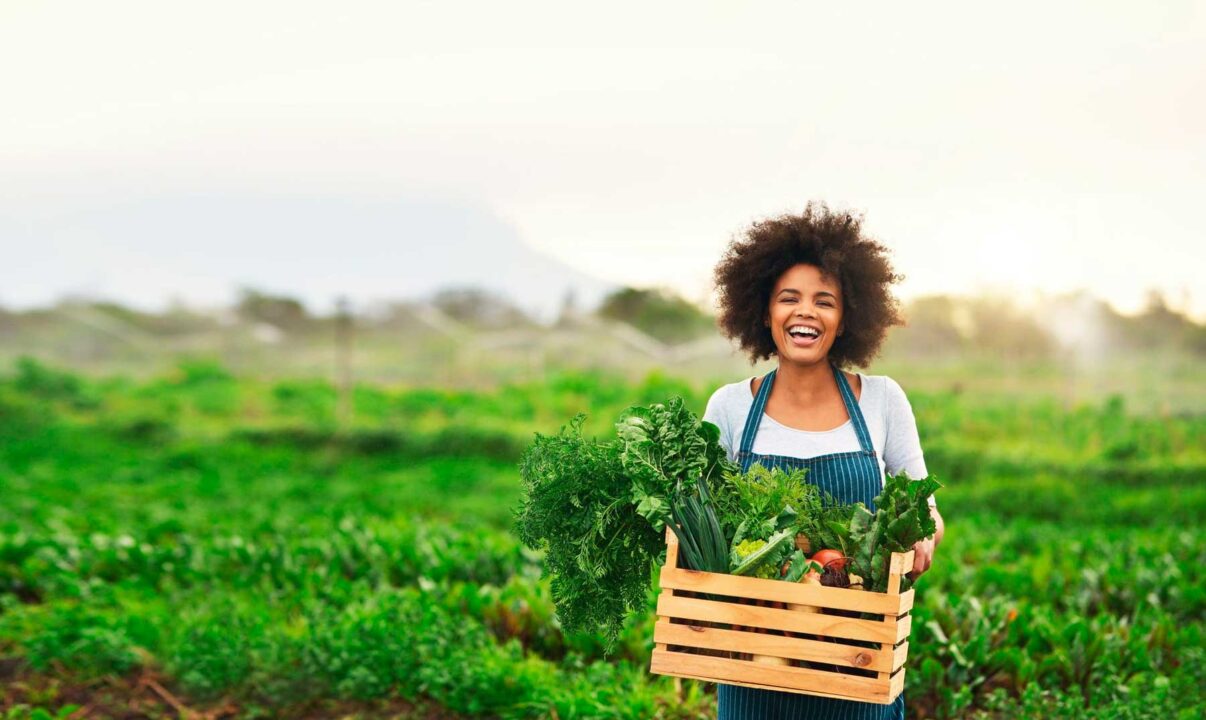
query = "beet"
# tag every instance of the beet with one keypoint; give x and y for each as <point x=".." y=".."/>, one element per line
<point x="835" y="577"/>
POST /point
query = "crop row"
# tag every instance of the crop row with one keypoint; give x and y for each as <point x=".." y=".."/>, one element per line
<point x="203" y="399"/>
<point x="998" y="619"/>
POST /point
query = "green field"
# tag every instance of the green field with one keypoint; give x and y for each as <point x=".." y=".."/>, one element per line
<point x="197" y="542"/>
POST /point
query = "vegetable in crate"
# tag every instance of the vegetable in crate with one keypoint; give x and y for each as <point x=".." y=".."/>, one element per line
<point x="598" y="509"/>
<point x="760" y="502"/>
<point x="761" y="511"/>
<point x="761" y="558"/>
<point x="902" y="518"/>
<point x="828" y="527"/>
<point x="701" y="542"/>
<point x="665" y="449"/>
<point x="578" y="508"/>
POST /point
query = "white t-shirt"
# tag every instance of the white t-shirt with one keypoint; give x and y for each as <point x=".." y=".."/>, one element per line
<point x="885" y="408"/>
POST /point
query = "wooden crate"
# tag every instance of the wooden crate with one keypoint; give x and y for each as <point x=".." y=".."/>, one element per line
<point x="749" y="631"/>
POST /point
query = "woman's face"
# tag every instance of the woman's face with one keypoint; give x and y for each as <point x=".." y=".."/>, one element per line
<point x="805" y="314"/>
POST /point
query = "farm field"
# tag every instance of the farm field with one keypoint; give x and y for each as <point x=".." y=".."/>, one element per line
<point x="204" y="545"/>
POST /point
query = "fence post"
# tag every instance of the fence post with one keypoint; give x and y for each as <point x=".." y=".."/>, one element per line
<point x="343" y="363"/>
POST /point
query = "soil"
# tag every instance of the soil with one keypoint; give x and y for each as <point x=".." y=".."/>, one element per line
<point x="146" y="695"/>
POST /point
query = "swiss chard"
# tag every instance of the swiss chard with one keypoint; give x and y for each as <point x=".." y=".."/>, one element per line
<point x="901" y="518"/>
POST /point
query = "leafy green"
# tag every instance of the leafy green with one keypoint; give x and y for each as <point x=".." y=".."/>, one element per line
<point x="664" y="447"/>
<point x="599" y="510"/>
<point x="760" y="502"/>
<point x="761" y="558"/>
<point x="577" y="507"/>
<point x="826" y="523"/>
<point x="798" y="565"/>
<point x="901" y="518"/>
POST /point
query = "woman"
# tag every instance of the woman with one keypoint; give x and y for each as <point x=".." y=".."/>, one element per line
<point x="811" y="290"/>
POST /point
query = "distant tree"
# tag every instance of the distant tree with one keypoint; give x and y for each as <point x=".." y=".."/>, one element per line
<point x="283" y="312"/>
<point x="1003" y="330"/>
<point x="1158" y="327"/>
<point x="178" y="320"/>
<point x="657" y="312"/>
<point x="396" y="316"/>
<point x="1196" y="340"/>
<point x="931" y="329"/>
<point x="479" y="307"/>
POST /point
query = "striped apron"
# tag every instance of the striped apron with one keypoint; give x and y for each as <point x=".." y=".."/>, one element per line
<point x="849" y="477"/>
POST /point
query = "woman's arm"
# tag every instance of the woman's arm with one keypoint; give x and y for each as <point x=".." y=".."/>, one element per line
<point x="902" y="452"/>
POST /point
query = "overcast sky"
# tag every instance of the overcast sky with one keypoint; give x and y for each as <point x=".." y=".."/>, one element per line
<point x="1008" y="148"/>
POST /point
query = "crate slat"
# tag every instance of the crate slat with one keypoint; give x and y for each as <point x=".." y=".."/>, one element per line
<point x="665" y="633"/>
<point x="771" y="677"/>
<point x="785" y="592"/>
<point x="888" y="631"/>
<point x="900" y="564"/>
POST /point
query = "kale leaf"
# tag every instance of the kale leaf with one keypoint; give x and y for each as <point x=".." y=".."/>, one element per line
<point x="665" y="449"/>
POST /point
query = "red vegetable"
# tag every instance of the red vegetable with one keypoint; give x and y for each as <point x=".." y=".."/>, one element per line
<point x="830" y="559"/>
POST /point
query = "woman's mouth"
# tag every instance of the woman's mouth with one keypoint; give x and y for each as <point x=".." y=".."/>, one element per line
<point x="803" y="335"/>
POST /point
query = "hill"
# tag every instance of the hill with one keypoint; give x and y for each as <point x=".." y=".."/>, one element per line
<point x="200" y="248"/>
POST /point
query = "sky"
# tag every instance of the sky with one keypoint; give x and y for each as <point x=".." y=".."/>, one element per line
<point x="1008" y="149"/>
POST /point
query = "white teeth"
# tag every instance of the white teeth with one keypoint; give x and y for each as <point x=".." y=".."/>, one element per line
<point x="800" y="330"/>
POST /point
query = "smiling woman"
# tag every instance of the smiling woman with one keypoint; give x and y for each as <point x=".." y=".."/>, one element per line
<point x="830" y="242"/>
<point x="813" y="291"/>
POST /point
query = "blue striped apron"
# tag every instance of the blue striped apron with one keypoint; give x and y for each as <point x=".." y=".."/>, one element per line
<point x="849" y="477"/>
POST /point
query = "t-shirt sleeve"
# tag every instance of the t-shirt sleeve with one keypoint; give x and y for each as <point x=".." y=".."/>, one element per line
<point x="716" y="414"/>
<point x="902" y="449"/>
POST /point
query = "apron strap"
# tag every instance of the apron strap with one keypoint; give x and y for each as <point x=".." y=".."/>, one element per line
<point x="853" y="410"/>
<point x="754" y="419"/>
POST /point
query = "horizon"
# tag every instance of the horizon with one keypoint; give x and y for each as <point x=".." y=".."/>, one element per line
<point x="1025" y="305"/>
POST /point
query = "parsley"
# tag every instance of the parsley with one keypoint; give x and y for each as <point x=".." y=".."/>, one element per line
<point x="758" y="503"/>
<point x="599" y="509"/>
<point x="578" y="508"/>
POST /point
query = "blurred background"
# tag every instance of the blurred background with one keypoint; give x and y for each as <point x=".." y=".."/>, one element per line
<point x="286" y="288"/>
<point x="475" y="181"/>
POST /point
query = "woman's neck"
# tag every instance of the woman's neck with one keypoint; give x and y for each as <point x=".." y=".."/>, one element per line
<point x="804" y="385"/>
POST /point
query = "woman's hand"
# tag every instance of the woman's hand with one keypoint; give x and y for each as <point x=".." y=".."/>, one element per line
<point x="923" y="550"/>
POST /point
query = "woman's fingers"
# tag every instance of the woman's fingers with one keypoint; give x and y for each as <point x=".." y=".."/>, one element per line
<point x="923" y="557"/>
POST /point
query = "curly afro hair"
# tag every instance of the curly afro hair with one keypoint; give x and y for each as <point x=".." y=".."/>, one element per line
<point x="830" y="240"/>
